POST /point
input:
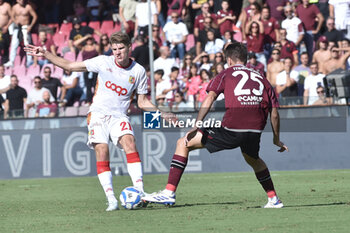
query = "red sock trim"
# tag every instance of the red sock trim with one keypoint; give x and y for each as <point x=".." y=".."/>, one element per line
<point x="133" y="157"/>
<point x="102" y="166"/>
<point x="170" y="187"/>
<point x="271" y="194"/>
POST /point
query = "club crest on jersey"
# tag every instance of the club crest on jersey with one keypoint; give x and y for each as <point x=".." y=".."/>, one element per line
<point x="131" y="79"/>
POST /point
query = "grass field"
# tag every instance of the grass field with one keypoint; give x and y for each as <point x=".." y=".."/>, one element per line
<point x="315" y="201"/>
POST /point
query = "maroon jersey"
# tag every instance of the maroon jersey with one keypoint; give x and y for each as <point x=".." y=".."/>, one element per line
<point x="269" y="29"/>
<point x="199" y="21"/>
<point x="255" y="43"/>
<point x="249" y="98"/>
<point x="308" y="15"/>
<point x="227" y="24"/>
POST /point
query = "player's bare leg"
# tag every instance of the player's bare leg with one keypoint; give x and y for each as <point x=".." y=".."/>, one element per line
<point x="104" y="174"/>
<point x="133" y="160"/>
<point x="177" y="167"/>
<point x="263" y="175"/>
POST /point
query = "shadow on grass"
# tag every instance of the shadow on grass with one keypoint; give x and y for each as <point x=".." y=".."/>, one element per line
<point x="152" y="205"/>
<point x="307" y="205"/>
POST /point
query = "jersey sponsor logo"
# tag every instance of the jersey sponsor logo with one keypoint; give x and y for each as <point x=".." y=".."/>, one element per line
<point x="117" y="89"/>
<point x="132" y="79"/>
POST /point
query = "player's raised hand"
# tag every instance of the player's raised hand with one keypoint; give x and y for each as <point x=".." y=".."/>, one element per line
<point x="34" y="50"/>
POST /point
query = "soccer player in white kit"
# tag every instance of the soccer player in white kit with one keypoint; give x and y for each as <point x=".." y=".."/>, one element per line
<point x="118" y="77"/>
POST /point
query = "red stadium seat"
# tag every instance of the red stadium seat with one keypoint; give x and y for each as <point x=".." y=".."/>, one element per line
<point x="107" y="27"/>
<point x="65" y="29"/>
<point x="117" y="28"/>
<point x="95" y="25"/>
<point x="33" y="71"/>
<point x="190" y="42"/>
<point x="69" y="56"/>
<point x="19" y="70"/>
<point x="8" y="71"/>
<point x="58" y="73"/>
<point x="59" y="39"/>
<point x="80" y="56"/>
<point x="34" y="38"/>
<point x="55" y="26"/>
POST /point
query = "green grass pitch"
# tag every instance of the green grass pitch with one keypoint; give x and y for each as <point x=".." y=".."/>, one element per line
<point x="315" y="201"/>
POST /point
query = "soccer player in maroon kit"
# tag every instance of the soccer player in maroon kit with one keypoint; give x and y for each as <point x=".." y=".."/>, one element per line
<point x="249" y="98"/>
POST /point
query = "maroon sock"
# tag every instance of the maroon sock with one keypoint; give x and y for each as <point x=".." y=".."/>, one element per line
<point x="177" y="167"/>
<point x="266" y="182"/>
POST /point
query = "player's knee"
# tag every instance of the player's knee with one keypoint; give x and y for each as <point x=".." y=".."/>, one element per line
<point x="128" y="143"/>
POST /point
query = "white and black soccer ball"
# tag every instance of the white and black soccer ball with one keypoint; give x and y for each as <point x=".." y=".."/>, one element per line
<point x="130" y="198"/>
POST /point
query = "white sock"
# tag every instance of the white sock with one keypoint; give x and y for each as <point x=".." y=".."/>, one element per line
<point x="135" y="172"/>
<point x="106" y="183"/>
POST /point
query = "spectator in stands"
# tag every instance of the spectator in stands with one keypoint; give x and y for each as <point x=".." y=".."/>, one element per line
<point x="271" y="31"/>
<point x="89" y="50"/>
<point x="203" y="61"/>
<point x="164" y="62"/>
<point x="141" y="51"/>
<point x="97" y="9"/>
<point x="5" y="82"/>
<point x="16" y="96"/>
<point x="345" y="43"/>
<point x="192" y="86"/>
<point x="303" y="71"/>
<point x="173" y="87"/>
<point x="5" y="22"/>
<point x="322" y="99"/>
<point x="142" y="20"/>
<point x="79" y="34"/>
<point x="286" y="81"/>
<point x="127" y="9"/>
<point x="288" y="48"/>
<point x="246" y="12"/>
<point x="178" y="6"/>
<point x="274" y="67"/>
<point x="73" y="91"/>
<point x="322" y="54"/>
<point x="228" y="37"/>
<point x="337" y="61"/>
<point x="340" y="11"/>
<point x="218" y="67"/>
<point x="176" y="33"/>
<point x="157" y="41"/>
<point x="46" y="108"/>
<point x="185" y="66"/>
<point x="255" y="40"/>
<point x="46" y="43"/>
<point x="35" y="97"/>
<point x="225" y="17"/>
<point x="253" y="63"/>
<point x="310" y="15"/>
<point x="51" y="83"/>
<point x="80" y="11"/>
<point x="104" y="46"/>
<point x="213" y="45"/>
<point x="202" y="39"/>
<point x="180" y="104"/>
<point x="202" y="92"/>
<point x="293" y="26"/>
<point x="312" y="82"/>
<point x="332" y="34"/>
<point x="277" y="8"/>
<point x="161" y="85"/>
<point x="24" y="18"/>
<point x="199" y="20"/>
<point x="160" y="10"/>
<point x="219" y="58"/>
<point x="197" y="6"/>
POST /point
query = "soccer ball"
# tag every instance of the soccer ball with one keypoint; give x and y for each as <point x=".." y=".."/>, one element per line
<point x="130" y="198"/>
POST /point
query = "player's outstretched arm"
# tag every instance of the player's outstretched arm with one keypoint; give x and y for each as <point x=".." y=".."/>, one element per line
<point x="275" y="124"/>
<point x="58" y="61"/>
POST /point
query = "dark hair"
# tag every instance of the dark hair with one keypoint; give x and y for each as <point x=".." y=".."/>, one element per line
<point x="304" y="53"/>
<point x="174" y="68"/>
<point x="160" y="72"/>
<point x="314" y="63"/>
<point x="236" y="51"/>
<point x="37" y="77"/>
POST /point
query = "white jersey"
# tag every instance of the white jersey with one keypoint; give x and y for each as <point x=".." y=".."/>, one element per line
<point x="115" y="85"/>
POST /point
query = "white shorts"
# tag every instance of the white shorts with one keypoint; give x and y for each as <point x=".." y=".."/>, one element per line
<point x="104" y="127"/>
